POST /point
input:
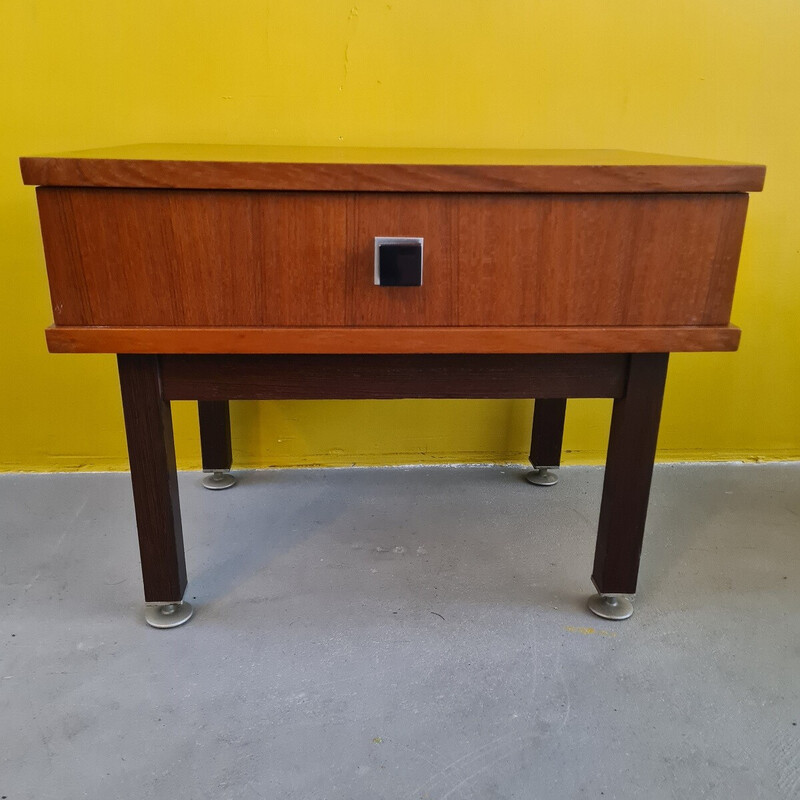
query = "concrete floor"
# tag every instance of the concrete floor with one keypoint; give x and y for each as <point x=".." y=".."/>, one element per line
<point x="402" y="633"/>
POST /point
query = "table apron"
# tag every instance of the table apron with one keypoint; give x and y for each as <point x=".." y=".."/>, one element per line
<point x="355" y="377"/>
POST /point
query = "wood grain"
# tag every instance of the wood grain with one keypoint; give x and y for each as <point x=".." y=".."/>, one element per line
<point x="422" y="171"/>
<point x="195" y="258"/>
<point x="354" y="377"/>
<point x="69" y="294"/>
<point x="148" y="426"/>
<point x="722" y="283"/>
<point x="429" y="216"/>
<point x="391" y="340"/>
<point x="629" y="471"/>
<point x="601" y="260"/>
<point x="152" y="258"/>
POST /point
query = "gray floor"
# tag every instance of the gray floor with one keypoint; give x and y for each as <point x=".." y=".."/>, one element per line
<point x="403" y="633"/>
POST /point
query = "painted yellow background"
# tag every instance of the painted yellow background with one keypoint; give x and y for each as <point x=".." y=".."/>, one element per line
<point x="689" y="77"/>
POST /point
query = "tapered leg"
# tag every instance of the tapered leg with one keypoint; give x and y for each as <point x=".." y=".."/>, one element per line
<point x="151" y="451"/>
<point x="546" y="438"/>
<point x="626" y="488"/>
<point x="215" y="443"/>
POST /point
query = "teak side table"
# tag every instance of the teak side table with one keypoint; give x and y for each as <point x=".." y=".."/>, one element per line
<point x="227" y="273"/>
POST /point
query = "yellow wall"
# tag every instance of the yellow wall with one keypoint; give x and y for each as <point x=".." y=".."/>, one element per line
<point x="690" y="77"/>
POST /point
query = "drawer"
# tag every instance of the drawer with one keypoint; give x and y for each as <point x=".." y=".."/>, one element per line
<point x="151" y="257"/>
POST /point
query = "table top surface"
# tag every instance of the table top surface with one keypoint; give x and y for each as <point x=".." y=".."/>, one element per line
<point x="207" y="166"/>
<point x="380" y="155"/>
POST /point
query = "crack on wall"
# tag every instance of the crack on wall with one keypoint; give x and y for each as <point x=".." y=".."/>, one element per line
<point x="352" y="21"/>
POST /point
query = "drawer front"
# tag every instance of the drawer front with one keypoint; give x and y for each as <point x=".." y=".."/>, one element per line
<point x="576" y="259"/>
<point x="234" y="258"/>
<point x="157" y="257"/>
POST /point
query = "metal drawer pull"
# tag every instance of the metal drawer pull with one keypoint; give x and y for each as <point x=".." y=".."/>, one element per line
<point x="398" y="261"/>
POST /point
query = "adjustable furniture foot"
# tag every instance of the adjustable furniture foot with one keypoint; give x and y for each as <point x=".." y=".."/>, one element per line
<point x="219" y="479"/>
<point x="168" y="615"/>
<point x="610" y="606"/>
<point x="541" y="476"/>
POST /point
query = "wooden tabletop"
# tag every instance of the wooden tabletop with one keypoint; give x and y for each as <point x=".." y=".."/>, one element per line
<point x="177" y="166"/>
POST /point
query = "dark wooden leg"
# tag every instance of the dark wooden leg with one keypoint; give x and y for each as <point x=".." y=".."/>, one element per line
<point x="546" y="437"/>
<point x="151" y="451"/>
<point x="215" y="443"/>
<point x="215" y="434"/>
<point x="629" y="470"/>
<point x="548" y="431"/>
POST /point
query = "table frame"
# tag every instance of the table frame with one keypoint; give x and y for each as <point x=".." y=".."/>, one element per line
<point x="150" y="382"/>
